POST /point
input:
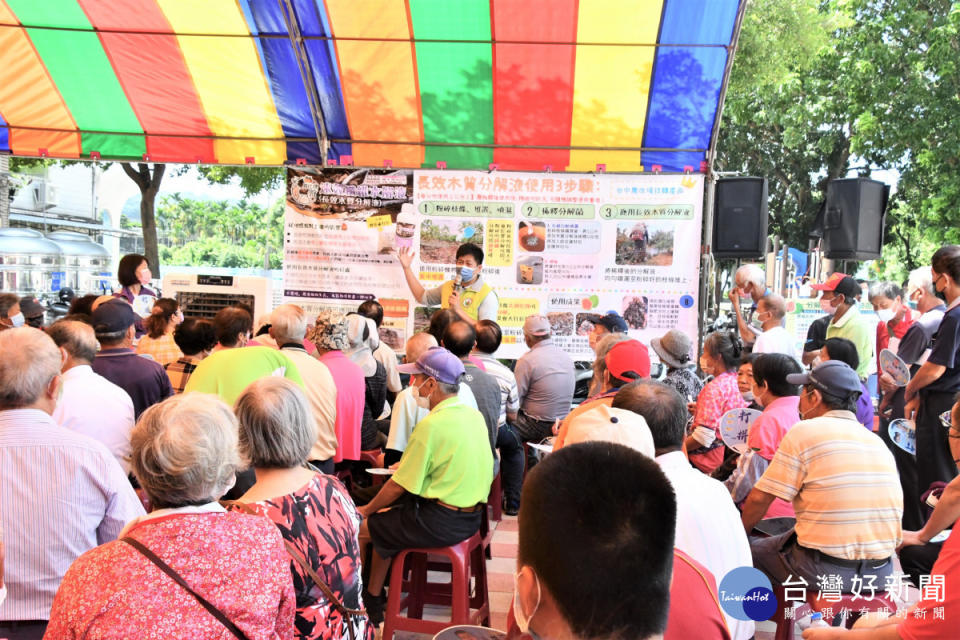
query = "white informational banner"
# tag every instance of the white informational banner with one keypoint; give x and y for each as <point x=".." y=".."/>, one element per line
<point x="568" y="246"/>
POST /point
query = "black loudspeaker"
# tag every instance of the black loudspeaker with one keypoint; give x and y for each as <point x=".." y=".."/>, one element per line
<point x="853" y="219"/>
<point x="740" y="218"/>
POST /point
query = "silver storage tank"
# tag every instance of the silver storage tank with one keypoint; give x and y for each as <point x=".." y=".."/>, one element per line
<point x="29" y="263"/>
<point x="86" y="264"/>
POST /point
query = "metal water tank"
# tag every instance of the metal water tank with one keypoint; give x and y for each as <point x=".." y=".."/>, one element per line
<point x="29" y="263"/>
<point x="86" y="264"/>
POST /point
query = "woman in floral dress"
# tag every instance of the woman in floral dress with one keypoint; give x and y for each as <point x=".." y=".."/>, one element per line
<point x="312" y="511"/>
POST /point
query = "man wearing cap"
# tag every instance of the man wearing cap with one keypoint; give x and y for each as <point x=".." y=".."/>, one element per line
<point x="840" y="299"/>
<point x="467" y="293"/>
<point x="625" y="362"/>
<point x="843" y="483"/>
<point x="144" y="379"/>
<point x="612" y="322"/>
<point x="442" y="480"/>
<point x="545" y="384"/>
<point x="33" y="312"/>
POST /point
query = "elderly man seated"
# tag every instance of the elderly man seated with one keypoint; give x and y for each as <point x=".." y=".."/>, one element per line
<point x="61" y="493"/>
<point x="407" y="412"/>
<point x="114" y="323"/>
<point x="935" y="615"/>
<point x="442" y="481"/>
<point x="90" y="404"/>
<point x="843" y="483"/>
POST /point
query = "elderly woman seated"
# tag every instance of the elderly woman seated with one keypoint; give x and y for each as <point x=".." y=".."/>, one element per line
<point x="190" y="569"/>
<point x="312" y="510"/>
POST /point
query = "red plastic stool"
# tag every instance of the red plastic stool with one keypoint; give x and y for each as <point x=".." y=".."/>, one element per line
<point x="495" y="500"/>
<point x="411" y="590"/>
<point x="847" y="601"/>
<point x="371" y="457"/>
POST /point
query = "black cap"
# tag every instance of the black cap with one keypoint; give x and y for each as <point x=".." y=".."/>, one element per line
<point x="613" y="323"/>
<point x="113" y="316"/>
<point x="848" y="287"/>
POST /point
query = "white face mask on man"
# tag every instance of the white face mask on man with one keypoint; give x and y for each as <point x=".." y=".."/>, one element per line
<point x="885" y="315"/>
<point x="521" y="617"/>
<point x="422" y="402"/>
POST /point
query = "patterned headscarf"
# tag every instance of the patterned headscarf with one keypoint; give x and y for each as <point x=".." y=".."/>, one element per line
<point x="358" y="349"/>
<point x="329" y="332"/>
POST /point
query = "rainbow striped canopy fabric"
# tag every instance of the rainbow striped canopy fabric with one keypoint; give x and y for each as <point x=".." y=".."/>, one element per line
<point x="564" y="85"/>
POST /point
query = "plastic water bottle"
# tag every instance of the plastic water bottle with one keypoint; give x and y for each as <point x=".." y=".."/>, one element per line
<point x="817" y="621"/>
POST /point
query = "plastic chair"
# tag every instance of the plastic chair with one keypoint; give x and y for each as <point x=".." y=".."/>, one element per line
<point x="372" y="457"/>
<point x="495" y="500"/>
<point x="410" y="588"/>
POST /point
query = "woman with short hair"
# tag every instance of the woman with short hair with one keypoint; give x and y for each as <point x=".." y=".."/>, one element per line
<point x="134" y="275"/>
<point x="155" y="579"/>
<point x="313" y="511"/>
<point x="158" y="343"/>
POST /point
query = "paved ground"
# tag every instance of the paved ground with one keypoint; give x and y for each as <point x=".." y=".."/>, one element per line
<point x="500" y="570"/>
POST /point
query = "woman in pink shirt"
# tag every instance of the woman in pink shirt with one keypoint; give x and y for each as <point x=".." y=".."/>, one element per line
<point x="329" y="334"/>
<point x="720" y="358"/>
<point x="780" y="401"/>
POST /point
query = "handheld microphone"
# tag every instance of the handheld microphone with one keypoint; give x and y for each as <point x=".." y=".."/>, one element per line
<point x="458" y="282"/>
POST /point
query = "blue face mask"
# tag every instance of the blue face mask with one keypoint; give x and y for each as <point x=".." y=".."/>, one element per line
<point x="466" y="274"/>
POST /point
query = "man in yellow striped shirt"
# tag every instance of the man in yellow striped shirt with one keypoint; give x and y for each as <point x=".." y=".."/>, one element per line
<point x="843" y="483"/>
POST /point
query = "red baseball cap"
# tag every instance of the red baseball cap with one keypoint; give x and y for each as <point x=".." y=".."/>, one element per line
<point x="831" y="282"/>
<point x="628" y="356"/>
<point x="840" y="283"/>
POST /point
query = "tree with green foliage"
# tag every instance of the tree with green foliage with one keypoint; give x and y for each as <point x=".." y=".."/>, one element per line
<point x="220" y="233"/>
<point x="148" y="178"/>
<point x="824" y="89"/>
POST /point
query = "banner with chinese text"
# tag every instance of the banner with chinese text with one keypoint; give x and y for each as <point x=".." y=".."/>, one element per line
<point x="569" y="246"/>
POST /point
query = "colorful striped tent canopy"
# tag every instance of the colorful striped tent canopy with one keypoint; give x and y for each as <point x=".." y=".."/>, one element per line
<point x="562" y="85"/>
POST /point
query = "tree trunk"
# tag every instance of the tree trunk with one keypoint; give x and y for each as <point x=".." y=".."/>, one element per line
<point x="149" y="185"/>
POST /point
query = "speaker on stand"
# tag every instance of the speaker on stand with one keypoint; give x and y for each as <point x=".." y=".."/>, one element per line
<point x="740" y="218"/>
<point x="853" y="219"/>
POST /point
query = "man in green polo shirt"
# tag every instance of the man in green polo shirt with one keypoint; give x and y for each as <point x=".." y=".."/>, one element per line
<point x="232" y="366"/>
<point x="442" y="481"/>
<point x="840" y="300"/>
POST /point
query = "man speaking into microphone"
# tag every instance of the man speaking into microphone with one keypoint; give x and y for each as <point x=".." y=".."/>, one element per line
<point x="466" y="294"/>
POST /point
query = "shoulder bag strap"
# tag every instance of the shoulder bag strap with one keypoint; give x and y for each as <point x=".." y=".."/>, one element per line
<point x="216" y="613"/>
<point x="300" y="560"/>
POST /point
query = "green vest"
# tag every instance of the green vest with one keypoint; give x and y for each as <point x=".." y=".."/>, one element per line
<point x="469" y="300"/>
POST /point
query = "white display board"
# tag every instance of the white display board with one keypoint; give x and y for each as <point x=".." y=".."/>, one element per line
<point x="568" y="246"/>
